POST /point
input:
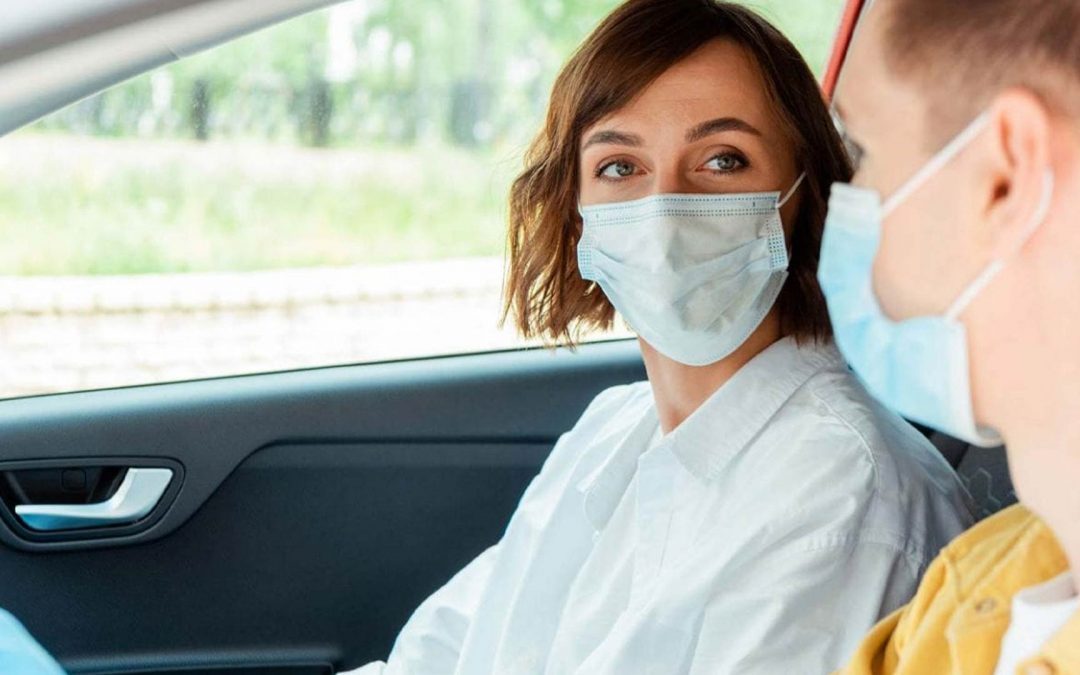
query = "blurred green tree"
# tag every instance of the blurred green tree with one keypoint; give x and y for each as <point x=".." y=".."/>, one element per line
<point x="474" y="73"/>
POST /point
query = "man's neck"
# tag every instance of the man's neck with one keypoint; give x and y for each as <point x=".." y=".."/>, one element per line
<point x="1045" y="466"/>
<point x="1026" y="379"/>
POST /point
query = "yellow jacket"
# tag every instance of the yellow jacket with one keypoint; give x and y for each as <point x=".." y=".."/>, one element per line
<point x="955" y="623"/>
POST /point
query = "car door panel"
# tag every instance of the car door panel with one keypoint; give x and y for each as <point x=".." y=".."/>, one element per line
<point x="315" y="511"/>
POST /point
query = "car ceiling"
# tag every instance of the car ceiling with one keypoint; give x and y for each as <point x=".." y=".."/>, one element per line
<point x="57" y="52"/>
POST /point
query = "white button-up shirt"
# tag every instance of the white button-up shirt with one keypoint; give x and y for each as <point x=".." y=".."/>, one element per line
<point x="765" y="534"/>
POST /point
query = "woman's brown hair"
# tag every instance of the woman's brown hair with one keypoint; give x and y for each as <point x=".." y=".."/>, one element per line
<point x="631" y="48"/>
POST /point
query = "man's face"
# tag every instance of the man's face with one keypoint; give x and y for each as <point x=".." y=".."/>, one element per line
<point x="929" y="246"/>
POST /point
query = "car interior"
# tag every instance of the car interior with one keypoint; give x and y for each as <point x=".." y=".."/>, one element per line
<point x="277" y="523"/>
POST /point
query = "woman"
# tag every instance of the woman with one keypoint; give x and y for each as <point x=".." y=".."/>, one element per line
<point x="748" y="509"/>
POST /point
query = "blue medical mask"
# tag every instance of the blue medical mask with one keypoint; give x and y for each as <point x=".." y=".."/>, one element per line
<point x="693" y="275"/>
<point x="919" y="366"/>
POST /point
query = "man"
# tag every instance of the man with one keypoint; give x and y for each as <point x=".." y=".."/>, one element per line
<point x="952" y="270"/>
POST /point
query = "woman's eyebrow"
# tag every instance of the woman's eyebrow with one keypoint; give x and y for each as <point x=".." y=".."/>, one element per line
<point x="613" y="138"/>
<point x="718" y="125"/>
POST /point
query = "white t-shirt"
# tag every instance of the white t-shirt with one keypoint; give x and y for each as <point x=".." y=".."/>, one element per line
<point x="1038" y="613"/>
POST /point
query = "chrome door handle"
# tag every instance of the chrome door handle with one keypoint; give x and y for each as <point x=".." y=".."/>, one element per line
<point x="138" y="494"/>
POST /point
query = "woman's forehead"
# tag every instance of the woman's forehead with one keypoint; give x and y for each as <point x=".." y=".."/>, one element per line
<point x="721" y="79"/>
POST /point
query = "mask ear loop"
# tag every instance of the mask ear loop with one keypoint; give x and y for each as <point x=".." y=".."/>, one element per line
<point x="994" y="268"/>
<point x="937" y="163"/>
<point x="791" y="193"/>
<point x="780" y="204"/>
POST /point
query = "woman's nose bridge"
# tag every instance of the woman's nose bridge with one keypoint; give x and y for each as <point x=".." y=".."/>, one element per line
<point x="672" y="178"/>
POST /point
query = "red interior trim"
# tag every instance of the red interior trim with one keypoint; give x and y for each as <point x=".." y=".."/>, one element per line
<point x="841" y="44"/>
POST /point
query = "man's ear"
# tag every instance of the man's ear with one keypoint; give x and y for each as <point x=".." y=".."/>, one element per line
<point x="1020" y="130"/>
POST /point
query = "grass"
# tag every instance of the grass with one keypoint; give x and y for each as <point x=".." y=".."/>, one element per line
<point x="75" y="205"/>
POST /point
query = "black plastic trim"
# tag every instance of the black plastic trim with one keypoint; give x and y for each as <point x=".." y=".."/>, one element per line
<point x="209" y="427"/>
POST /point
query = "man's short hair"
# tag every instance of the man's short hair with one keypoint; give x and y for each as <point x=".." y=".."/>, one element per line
<point x="964" y="52"/>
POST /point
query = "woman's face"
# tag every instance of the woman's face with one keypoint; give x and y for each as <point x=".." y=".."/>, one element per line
<point x="704" y="126"/>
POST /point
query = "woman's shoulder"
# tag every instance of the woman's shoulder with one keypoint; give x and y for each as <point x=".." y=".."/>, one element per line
<point x="843" y="425"/>
<point x="836" y="395"/>
<point x="908" y="476"/>
<point x="831" y="405"/>
<point x="853" y="471"/>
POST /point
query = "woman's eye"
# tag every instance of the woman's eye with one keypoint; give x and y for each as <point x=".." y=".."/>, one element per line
<point x="726" y="163"/>
<point x="616" y="170"/>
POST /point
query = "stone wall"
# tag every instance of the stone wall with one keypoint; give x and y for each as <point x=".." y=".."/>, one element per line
<point x="74" y="333"/>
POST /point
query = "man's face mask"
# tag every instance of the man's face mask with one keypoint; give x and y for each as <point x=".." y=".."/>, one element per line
<point x="919" y="366"/>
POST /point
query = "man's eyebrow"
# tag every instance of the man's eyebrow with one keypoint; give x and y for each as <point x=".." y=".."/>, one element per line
<point x="613" y="138"/>
<point x="718" y="125"/>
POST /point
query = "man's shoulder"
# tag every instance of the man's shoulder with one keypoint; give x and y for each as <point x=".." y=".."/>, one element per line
<point x="994" y="537"/>
<point x="1014" y="547"/>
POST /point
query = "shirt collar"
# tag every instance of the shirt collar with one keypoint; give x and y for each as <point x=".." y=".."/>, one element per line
<point x="1063" y="650"/>
<point x="737" y="412"/>
<point x="721" y="427"/>
<point x="603" y="486"/>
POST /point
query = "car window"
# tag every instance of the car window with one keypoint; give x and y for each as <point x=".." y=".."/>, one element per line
<point x="326" y="191"/>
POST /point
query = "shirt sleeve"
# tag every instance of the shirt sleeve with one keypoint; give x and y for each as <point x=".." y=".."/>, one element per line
<point x="878" y="653"/>
<point x="21" y="653"/>
<point x="802" y="612"/>
<point x="431" y="641"/>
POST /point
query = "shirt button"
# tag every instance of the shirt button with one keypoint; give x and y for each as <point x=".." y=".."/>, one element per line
<point x="986" y="605"/>
<point x="1039" y="668"/>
